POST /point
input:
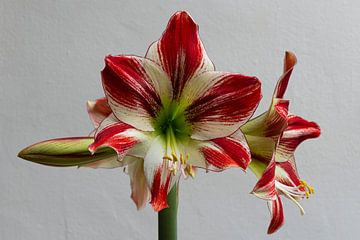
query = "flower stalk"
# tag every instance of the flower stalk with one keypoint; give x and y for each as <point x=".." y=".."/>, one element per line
<point x="167" y="218"/>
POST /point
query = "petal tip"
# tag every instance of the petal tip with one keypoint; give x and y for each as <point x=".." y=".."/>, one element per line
<point x="183" y="14"/>
<point x="92" y="148"/>
<point x="290" y="60"/>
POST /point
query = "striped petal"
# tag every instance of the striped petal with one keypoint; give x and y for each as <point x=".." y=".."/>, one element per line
<point x="117" y="135"/>
<point x="135" y="89"/>
<point x="277" y="214"/>
<point x="271" y="123"/>
<point x="263" y="133"/>
<point x="98" y="110"/>
<point x="286" y="173"/>
<point x="158" y="176"/>
<point x="289" y="184"/>
<point x="218" y="103"/>
<point x="297" y="131"/>
<point x="180" y="51"/>
<point x="289" y="63"/>
<point x="265" y="186"/>
<point x="220" y="154"/>
<point x="140" y="193"/>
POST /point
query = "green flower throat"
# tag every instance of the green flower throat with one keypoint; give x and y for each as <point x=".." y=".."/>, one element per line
<point x="171" y="125"/>
<point x="171" y="122"/>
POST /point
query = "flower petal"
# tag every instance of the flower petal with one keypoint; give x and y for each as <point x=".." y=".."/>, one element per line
<point x="264" y="131"/>
<point x="265" y="187"/>
<point x="277" y="214"/>
<point x="98" y="110"/>
<point x="218" y="103"/>
<point x="262" y="148"/>
<point x="118" y="135"/>
<point x="297" y="131"/>
<point x="286" y="173"/>
<point x="271" y="123"/>
<point x="135" y="88"/>
<point x="158" y="176"/>
<point x="219" y="154"/>
<point x="289" y="63"/>
<point x="140" y="193"/>
<point x="180" y="51"/>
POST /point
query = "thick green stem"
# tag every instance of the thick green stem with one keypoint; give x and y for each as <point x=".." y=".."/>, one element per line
<point x="167" y="218"/>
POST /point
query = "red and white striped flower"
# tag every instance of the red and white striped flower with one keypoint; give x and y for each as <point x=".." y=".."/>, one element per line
<point x="171" y="111"/>
<point x="273" y="138"/>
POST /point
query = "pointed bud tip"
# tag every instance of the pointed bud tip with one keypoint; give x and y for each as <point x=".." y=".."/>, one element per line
<point x="23" y="153"/>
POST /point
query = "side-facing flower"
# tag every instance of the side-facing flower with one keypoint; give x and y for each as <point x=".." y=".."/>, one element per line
<point x="273" y="138"/>
<point x="171" y="111"/>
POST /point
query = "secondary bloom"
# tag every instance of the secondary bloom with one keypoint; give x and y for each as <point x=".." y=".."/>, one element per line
<point x="171" y="111"/>
<point x="273" y="138"/>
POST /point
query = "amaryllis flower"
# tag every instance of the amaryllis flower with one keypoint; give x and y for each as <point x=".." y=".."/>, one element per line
<point x="171" y="111"/>
<point x="273" y="138"/>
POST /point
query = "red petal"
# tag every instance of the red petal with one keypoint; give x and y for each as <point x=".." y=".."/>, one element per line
<point x="157" y="173"/>
<point x="228" y="152"/>
<point x="180" y="51"/>
<point x="159" y="191"/>
<point x="224" y="103"/>
<point x="133" y="88"/>
<point x="301" y="129"/>
<point x="297" y="131"/>
<point x="265" y="187"/>
<point x="98" y="110"/>
<point x="291" y="178"/>
<point x="119" y="136"/>
<point x="277" y="215"/>
<point x="289" y="63"/>
<point x="271" y="123"/>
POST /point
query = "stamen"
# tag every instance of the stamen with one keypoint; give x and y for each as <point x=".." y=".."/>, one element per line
<point x="175" y="158"/>
<point x="308" y="189"/>
<point x="173" y="170"/>
<point x="190" y="171"/>
<point x="302" y="211"/>
<point x="166" y="157"/>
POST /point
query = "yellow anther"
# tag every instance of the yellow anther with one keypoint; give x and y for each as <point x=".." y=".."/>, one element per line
<point x="182" y="159"/>
<point x="175" y="158"/>
<point x="173" y="171"/>
<point x="165" y="157"/>
<point x="190" y="171"/>
<point x="308" y="189"/>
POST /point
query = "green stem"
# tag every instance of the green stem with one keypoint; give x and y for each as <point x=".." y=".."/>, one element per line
<point x="167" y="218"/>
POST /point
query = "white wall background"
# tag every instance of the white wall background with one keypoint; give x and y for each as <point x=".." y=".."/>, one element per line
<point x="51" y="53"/>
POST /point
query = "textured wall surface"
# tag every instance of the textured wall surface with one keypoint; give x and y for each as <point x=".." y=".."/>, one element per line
<point x="51" y="54"/>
